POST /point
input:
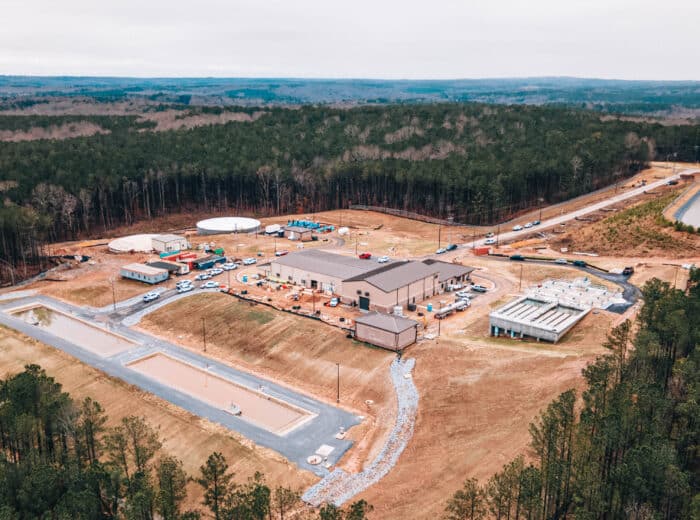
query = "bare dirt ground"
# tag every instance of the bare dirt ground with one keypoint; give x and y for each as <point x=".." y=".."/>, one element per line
<point x="184" y="435"/>
<point x="58" y="132"/>
<point x="177" y="119"/>
<point x="475" y="406"/>
<point x="295" y="351"/>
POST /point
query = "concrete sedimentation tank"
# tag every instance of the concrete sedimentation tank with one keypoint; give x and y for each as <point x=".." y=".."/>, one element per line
<point x="220" y="225"/>
<point x="137" y="243"/>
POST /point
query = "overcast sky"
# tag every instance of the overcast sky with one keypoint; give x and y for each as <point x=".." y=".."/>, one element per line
<point x="628" y="39"/>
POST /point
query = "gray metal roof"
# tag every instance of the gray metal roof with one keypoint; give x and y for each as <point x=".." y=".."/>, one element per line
<point x="168" y="238"/>
<point x="325" y="263"/>
<point x="448" y="270"/>
<point x="397" y="275"/>
<point x="388" y="322"/>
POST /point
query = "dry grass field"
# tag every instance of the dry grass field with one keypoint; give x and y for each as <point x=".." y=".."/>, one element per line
<point x="184" y="435"/>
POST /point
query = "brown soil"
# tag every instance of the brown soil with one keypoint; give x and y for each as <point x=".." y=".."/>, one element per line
<point x="64" y="131"/>
<point x="296" y="351"/>
<point x="184" y="435"/>
<point x="638" y="230"/>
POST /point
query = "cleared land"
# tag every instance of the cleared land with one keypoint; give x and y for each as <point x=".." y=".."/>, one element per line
<point x="184" y="435"/>
<point x="636" y="231"/>
<point x="296" y="351"/>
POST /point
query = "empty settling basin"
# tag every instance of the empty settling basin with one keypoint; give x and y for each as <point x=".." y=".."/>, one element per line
<point x="89" y="337"/>
<point x="254" y="406"/>
<point x="541" y="319"/>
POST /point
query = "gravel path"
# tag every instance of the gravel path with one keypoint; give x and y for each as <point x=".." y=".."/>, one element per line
<point x="339" y="487"/>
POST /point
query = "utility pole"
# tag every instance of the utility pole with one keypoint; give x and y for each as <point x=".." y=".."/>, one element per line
<point x="355" y="245"/>
<point x="520" y="285"/>
<point x="473" y="239"/>
<point x="675" y="277"/>
<point x="540" y="200"/>
<point x="313" y="299"/>
<point x="337" y="399"/>
<point x="204" y="333"/>
<point x="498" y="233"/>
<point x="439" y="235"/>
<point x="114" y="296"/>
<point x="275" y="242"/>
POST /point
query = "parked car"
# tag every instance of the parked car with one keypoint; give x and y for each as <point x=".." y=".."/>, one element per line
<point x="216" y="271"/>
<point x="441" y="251"/>
<point x="281" y="253"/>
<point x="536" y="223"/>
<point x="334" y="302"/>
<point x="185" y="288"/>
<point x="230" y="266"/>
<point x="210" y="285"/>
<point x="451" y="247"/>
<point x="562" y="261"/>
<point x="517" y="228"/>
<point x="528" y="225"/>
<point x="454" y="287"/>
<point x="202" y="276"/>
<point x="383" y="259"/>
<point x="183" y="282"/>
<point x="579" y="263"/>
<point x="628" y="271"/>
<point x="479" y="288"/>
<point x="150" y="296"/>
<point x="365" y="256"/>
<point x="249" y="261"/>
<point x="489" y="234"/>
<point x="462" y="295"/>
<point x="518" y="258"/>
<point x="490" y="241"/>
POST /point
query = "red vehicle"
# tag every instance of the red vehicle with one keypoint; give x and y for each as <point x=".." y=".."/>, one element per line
<point x="366" y="256"/>
<point x="281" y="253"/>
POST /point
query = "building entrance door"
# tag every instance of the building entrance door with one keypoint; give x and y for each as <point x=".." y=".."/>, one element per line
<point x="364" y="303"/>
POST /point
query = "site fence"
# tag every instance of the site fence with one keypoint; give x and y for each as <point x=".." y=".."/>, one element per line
<point x="407" y="214"/>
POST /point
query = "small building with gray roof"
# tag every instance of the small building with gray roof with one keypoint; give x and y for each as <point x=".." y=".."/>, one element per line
<point x="386" y="330"/>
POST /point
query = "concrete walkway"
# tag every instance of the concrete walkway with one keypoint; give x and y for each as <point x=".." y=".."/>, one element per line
<point x="296" y="445"/>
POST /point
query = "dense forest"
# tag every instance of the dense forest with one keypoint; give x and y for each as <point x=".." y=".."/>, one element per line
<point x="629" y="448"/>
<point x="476" y="163"/>
<point x="59" y="460"/>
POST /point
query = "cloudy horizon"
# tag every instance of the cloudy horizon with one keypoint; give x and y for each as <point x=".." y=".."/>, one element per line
<point x="442" y="39"/>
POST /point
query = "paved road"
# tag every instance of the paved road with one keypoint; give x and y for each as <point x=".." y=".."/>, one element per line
<point x="556" y="221"/>
<point x="630" y="292"/>
<point x="296" y="445"/>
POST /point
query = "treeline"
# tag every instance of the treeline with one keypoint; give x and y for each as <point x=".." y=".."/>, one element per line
<point x="476" y="163"/>
<point x="59" y="460"/>
<point x="630" y="447"/>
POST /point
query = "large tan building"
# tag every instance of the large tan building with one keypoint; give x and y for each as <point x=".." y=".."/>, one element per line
<point x="364" y="283"/>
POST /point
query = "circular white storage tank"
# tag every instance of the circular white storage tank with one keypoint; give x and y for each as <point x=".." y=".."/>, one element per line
<point x="216" y="226"/>
<point x="137" y="243"/>
<point x="272" y="228"/>
<point x="343" y="231"/>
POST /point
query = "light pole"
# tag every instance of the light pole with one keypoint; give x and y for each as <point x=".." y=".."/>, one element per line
<point x="337" y="398"/>
<point x="520" y="285"/>
<point x="540" y="200"/>
<point x="114" y="296"/>
<point x="204" y="333"/>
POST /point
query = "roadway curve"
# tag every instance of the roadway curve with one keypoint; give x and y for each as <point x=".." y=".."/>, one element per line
<point x="555" y="221"/>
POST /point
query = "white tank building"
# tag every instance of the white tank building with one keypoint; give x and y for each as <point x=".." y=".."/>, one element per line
<point x="133" y="243"/>
<point x="538" y="318"/>
<point x="222" y="225"/>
